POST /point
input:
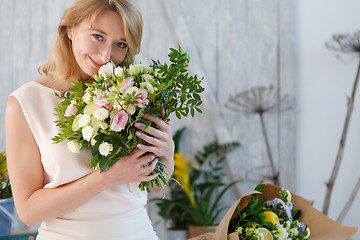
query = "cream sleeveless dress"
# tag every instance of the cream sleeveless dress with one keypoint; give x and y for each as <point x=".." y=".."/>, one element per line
<point x="116" y="213"/>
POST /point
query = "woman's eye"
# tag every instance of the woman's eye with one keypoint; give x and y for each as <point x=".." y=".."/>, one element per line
<point x="121" y="45"/>
<point x="98" y="37"/>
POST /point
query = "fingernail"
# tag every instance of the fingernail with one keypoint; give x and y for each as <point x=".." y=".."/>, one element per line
<point x="137" y="133"/>
<point x="137" y="124"/>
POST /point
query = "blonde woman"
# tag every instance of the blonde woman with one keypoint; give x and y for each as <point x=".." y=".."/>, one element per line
<point x="55" y="187"/>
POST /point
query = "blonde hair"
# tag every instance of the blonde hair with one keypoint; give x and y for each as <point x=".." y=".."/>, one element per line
<point x="61" y="63"/>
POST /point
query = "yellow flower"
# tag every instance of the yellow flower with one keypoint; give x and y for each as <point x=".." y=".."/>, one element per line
<point x="182" y="174"/>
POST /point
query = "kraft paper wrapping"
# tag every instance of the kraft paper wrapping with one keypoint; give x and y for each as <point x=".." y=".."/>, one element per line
<point x="321" y="226"/>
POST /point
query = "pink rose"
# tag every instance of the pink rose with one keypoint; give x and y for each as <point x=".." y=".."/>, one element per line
<point x="142" y="98"/>
<point x="119" y="121"/>
<point x="128" y="82"/>
<point x="71" y="110"/>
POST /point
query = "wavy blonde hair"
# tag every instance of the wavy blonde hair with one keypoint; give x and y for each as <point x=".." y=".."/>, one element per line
<point x="61" y="63"/>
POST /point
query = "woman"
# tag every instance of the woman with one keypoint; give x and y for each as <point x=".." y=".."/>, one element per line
<point x="56" y="187"/>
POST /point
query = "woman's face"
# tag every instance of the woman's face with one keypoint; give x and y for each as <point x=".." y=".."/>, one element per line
<point x="97" y="43"/>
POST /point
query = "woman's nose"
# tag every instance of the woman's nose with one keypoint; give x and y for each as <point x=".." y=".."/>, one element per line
<point x="105" y="54"/>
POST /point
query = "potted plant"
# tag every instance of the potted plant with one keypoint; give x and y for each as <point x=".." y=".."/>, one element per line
<point x="194" y="200"/>
<point x="6" y="200"/>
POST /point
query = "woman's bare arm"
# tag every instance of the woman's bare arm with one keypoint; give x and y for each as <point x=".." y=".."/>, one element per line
<point x="35" y="204"/>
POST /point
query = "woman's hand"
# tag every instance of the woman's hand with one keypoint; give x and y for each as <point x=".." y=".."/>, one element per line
<point x="134" y="167"/>
<point x="159" y="140"/>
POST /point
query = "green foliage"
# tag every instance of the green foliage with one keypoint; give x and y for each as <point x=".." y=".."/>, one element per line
<point x="207" y="185"/>
<point x="5" y="188"/>
<point x="180" y="92"/>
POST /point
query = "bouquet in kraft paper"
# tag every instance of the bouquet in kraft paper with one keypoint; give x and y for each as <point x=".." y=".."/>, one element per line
<point x="269" y="212"/>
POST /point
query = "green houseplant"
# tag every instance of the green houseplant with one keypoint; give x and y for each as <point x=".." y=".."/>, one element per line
<point x="195" y="197"/>
<point x="6" y="200"/>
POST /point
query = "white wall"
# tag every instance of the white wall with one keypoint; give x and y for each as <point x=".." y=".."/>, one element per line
<point x="323" y="84"/>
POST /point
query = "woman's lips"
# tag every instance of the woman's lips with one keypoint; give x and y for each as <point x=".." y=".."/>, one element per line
<point x="97" y="65"/>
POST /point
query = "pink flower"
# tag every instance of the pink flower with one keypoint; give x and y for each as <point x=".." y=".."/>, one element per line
<point x="128" y="82"/>
<point x="100" y="100"/>
<point x="119" y="121"/>
<point x="71" y="110"/>
<point x="142" y="98"/>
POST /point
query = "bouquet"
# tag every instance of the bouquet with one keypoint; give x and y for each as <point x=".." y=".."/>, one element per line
<point x="247" y="218"/>
<point x="100" y="113"/>
<point x="273" y="219"/>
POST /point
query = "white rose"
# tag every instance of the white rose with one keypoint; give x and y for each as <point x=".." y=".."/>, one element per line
<point x="87" y="133"/>
<point x="105" y="148"/>
<point x="87" y="97"/>
<point x="119" y="71"/>
<point x="90" y="108"/>
<point x="84" y="120"/>
<point x="147" y="86"/>
<point x="101" y="114"/>
<point x="74" y="146"/>
<point x="106" y="70"/>
<point x="136" y="69"/>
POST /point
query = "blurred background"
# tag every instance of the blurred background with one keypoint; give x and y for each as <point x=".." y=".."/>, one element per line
<point x="270" y="54"/>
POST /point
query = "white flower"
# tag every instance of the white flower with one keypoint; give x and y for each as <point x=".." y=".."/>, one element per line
<point x="119" y="71"/>
<point x="147" y="86"/>
<point x="87" y="133"/>
<point x="306" y="233"/>
<point x="93" y="141"/>
<point x="106" y="70"/>
<point x="74" y="146"/>
<point x="282" y="233"/>
<point x="80" y="121"/>
<point x="105" y="148"/>
<point x="147" y="77"/>
<point x="148" y="70"/>
<point x="136" y="69"/>
<point x="130" y="90"/>
<point x="87" y="97"/>
<point x="103" y="125"/>
<point x="101" y="114"/>
<point x="90" y="108"/>
<point x="96" y="124"/>
<point x="131" y="109"/>
<point x="84" y="120"/>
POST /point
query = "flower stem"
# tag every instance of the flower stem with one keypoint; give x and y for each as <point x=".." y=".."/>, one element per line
<point x="339" y="156"/>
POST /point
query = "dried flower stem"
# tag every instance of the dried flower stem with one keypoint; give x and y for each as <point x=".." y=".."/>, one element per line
<point x="330" y="183"/>
<point x="275" y="175"/>
<point x="349" y="202"/>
